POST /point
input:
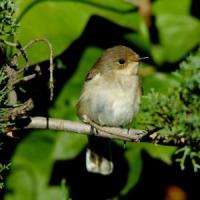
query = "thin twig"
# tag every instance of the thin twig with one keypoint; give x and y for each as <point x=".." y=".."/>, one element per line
<point x="25" y="79"/>
<point x="20" y="48"/>
<point x="22" y="51"/>
<point x="51" y="67"/>
<point x="18" y="111"/>
<point x="12" y="76"/>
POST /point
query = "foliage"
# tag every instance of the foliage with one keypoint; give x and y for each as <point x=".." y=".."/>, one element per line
<point x="8" y="28"/>
<point x="177" y="112"/>
<point x="172" y="21"/>
<point x="36" y="164"/>
<point x="8" y="23"/>
<point x="175" y="26"/>
<point x="3" y="100"/>
<point x="66" y="12"/>
<point x="36" y="156"/>
<point x="3" y="123"/>
<point x="2" y="168"/>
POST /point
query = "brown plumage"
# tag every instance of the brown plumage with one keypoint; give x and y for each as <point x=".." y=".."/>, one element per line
<point x="111" y="96"/>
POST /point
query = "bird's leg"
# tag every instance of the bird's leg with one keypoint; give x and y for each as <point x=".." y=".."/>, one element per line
<point x="124" y="142"/>
<point x="96" y="127"/>
<point x="101" y="128"/>
<point x="93" y="130"/>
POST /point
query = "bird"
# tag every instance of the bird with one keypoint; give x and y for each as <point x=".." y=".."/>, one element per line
<point x="111" y="96"/>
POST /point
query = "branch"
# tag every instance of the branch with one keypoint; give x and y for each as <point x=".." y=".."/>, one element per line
<point x="13" y="112"/>
<point x="131" y="135"/>
<point x="12" y="76"/>
<point x="51" y="66"/>
<point x="22" y="51"/>
<point x="25" y="79"/>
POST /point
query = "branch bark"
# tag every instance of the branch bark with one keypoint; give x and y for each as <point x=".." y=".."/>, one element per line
<point x="131" y="135"/>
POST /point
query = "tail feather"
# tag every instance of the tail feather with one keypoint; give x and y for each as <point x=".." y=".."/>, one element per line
<point x="98" y="156"/>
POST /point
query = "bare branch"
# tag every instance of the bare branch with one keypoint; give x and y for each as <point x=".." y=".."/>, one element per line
<point x="25" y="79"/>
<point x="18" y="111"/>
<point x="22" y="51"/>
<point x="12" y="76"/>
<point x="132" y="135"/>
<point x="51" y="67"/>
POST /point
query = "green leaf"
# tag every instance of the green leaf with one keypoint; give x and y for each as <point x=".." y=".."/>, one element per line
<point x="37" y="157"/>
<point x="25" y="185"/>
<point x="178" y="31"/>
<point x="171" y="7"/>
<point x="120" y="6"/>
<point x="178" y="35"/>
<point x="160" y="82"/>
<point x="62" y="22"/>
<point x="68" y="146"/>
<point x="140" y="38"/>
<point x="163" y="153"/>
<point x="157" y="53"/>
<point x="33" y="162"/>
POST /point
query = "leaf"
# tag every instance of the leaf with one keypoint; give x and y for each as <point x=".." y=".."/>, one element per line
<point x="68" y="146"/>
<point x="161" y="152"/>
<point x="33" y="162"/>
<point x="160" y="82"/>
<point x="176" y="7"/>
<point x="178" y="31"/>
<point x="120" y="6"/>
<point x="157" y="54"/>
<point x="21" y="190"/>
<point x="25" y="185"/>
<point x="62" y="22"/>
<point x="178" y="35"/>
<point x="140" y="38"/>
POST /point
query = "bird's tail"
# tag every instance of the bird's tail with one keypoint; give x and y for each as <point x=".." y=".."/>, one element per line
<point x="98" y="156"/>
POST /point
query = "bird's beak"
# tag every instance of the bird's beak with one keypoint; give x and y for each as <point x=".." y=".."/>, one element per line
<point x="142" y="58"/>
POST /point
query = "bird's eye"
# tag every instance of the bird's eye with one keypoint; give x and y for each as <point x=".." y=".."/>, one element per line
<point x="121" y="61"/>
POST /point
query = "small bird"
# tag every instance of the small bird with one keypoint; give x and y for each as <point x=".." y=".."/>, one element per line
<point x="110" y="97"/>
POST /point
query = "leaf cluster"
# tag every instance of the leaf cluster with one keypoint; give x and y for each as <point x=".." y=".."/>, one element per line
<point x="178" y="111"/>
<point x="2" y="168"/>
<point x="3" y="100"/>
<point x="8" y="23"/>
<point x="8" y="26"/>
<point x="70" y="19"/>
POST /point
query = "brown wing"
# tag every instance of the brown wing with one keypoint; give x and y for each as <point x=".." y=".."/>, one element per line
<point x="91" y="74"/>
<point x="93" y="71"/>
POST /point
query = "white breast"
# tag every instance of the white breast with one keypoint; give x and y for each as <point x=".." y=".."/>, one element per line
<point x="112" y="103"/>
